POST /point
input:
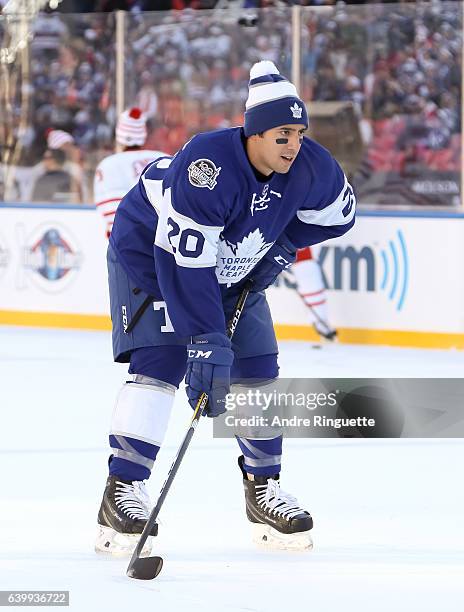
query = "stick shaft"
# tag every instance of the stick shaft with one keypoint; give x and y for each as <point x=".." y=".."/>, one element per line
<point x="199" y="409"/>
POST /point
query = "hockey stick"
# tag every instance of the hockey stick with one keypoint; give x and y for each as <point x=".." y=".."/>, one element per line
<point x="290" y="279"/>
<point x="332" y="332"/>
<point x="147" y="568"/>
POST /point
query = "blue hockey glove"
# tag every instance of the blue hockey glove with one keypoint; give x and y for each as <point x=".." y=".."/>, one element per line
<point x="209" y="358"/>
<point x="279" y="257"/>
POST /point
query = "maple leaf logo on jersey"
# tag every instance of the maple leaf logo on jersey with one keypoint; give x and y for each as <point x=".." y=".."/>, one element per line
<point x="234" y="261"/>
<point x="251" y="245"/>
<point x="296" y="111"/>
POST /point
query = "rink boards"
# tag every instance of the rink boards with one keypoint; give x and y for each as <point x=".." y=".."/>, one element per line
<point x="395" y="279"/>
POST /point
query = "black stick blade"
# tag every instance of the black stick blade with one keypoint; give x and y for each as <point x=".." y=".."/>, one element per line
<point x="145" y="568"/>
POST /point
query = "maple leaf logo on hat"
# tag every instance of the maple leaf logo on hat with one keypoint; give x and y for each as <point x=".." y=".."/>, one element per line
<point x="296" y="111"/>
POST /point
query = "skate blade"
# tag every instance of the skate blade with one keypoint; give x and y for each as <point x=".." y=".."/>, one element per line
<point x="266" y="536"/>
<point x="111" y="542"/>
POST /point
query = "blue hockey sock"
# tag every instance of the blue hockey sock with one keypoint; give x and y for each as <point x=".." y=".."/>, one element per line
<point x="131" y="459"/>
<point x="261" y="457"/>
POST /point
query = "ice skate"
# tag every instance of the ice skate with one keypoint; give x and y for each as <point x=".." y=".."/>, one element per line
<point x="278" y="521"/>
<point x="325" y="331"/>
<point x="123" y="513"/>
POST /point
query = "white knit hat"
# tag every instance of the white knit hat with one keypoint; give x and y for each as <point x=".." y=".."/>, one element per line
<point x="57" y="138"/>
<point x="272" y="100"/>
<point x="131" y="129"/>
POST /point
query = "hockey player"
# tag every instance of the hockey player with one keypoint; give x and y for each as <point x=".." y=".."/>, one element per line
<point x="232" y="204"/>
<point x="117" y="173"/>
<point x="310" y="286"/>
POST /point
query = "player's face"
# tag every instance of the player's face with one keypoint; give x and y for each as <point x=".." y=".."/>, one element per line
<point x="280" y="146"/>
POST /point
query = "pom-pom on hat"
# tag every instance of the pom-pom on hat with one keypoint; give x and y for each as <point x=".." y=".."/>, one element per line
<point x="131" y="129"/>
<point x="272" y="100"/>
<point x="57" y="138"/>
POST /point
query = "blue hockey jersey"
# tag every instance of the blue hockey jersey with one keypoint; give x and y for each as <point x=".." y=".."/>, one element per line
<point x="198" y="223"/>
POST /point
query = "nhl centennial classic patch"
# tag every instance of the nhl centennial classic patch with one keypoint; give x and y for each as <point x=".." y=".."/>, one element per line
<point x="203" y="173"/>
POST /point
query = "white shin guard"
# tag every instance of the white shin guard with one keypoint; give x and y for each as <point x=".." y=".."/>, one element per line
<point x="143" y="408"/>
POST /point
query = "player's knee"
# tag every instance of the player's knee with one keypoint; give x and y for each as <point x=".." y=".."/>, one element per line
<point x="165" y="363"/>
<point x="261" y="367"/>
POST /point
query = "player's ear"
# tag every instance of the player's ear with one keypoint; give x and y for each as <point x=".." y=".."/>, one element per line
<point x="256" y="136"/>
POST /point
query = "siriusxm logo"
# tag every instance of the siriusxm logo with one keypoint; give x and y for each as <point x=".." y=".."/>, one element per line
<point x="368" y="268"/>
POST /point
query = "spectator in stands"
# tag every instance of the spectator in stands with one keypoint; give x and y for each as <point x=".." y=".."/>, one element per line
<point x="147" y="99"/>
<point x="61" y="140"/>
<point x="55" y="185"/>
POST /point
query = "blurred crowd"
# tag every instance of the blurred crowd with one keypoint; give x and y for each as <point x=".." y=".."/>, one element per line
<point x="400" y="67"/>
<point x="401" y="70"/>
<point x="100" y="6"/>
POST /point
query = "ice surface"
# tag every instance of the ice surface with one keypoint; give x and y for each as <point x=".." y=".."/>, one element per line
<point x="388" y="514"/>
